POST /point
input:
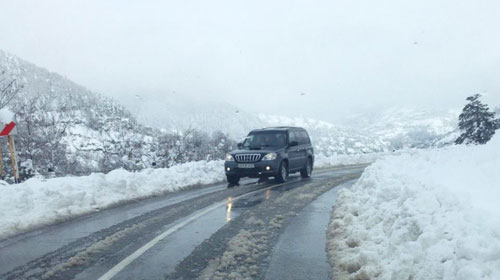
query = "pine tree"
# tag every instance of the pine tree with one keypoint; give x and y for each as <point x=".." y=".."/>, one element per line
<point x="476" y="122"/>
<point x="497" y="113"/>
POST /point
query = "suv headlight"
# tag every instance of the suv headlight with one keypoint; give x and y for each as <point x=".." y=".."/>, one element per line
<point x="229" y="157"/>
<point x="270" y="156"/>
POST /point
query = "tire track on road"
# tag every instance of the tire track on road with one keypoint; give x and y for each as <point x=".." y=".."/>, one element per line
<point x="240" y="249"/>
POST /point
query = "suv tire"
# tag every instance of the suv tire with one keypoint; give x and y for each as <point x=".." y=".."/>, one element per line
<point x="282" y="175"/>
<point x="233" y="180"/>
<point x="307" y="171"/>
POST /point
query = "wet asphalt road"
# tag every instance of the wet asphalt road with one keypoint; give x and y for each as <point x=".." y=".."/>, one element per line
<point x="197" y="228"/>
<point x="301" y="250"/>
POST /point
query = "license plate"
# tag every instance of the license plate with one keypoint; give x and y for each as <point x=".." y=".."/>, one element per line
<point x="242" y="165"/>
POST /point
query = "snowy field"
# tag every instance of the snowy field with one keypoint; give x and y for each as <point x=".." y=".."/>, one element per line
<point x="429" y="214"/>
<point x="40" y="202"/>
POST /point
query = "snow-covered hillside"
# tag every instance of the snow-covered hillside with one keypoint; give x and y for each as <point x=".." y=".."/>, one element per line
<point x="390" y="130"/>
<point x="409" y="127"/>
<point x="63" y="126"/>
<point x="329" y="139"/>
<point x="427" y="214"/>
<point x="67" y="129"/>
<point x="178" y="112"/>
<point x="184" y="113"/>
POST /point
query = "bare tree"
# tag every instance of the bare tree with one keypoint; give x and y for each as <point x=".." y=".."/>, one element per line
<point x="9" y="87"/>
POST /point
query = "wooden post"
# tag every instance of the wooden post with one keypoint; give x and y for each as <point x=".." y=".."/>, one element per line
<point x="2" y="172"/>
<point x="12" y="149"/>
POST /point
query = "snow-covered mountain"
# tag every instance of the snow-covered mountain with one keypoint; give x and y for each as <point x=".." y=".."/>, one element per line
<point x="388" y="130"/>
<point x="330" y="139"/>
<point x="408" y="127"/>
<point x="182" y="113"/>
<point x="362" y="133"/>
<point x="67" y="129"/>
<point x="178" y="112"/>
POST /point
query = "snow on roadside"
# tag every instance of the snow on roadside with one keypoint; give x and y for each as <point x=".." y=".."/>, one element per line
<point x="431" y="214"/>
<point x="40" y="202"/>
<point x="322" y="161"/>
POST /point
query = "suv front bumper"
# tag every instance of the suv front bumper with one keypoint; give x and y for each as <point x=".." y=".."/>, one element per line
<point x="260" y="169"/>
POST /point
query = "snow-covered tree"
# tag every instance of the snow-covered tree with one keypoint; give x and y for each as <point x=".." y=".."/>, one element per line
<point x="9" y="87"/>
<point x="477" y="122"/>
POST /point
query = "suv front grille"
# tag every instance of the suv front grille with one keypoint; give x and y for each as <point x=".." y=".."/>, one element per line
<point x="247" y="157"/>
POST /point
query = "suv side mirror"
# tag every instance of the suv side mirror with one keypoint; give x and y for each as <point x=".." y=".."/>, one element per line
<point x="293" y="144"/>
<point x="240" y="145"/>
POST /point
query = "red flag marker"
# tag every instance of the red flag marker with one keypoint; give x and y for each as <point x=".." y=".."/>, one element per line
<point x="8" y="129"/>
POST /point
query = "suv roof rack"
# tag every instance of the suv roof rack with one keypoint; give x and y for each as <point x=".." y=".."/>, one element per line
<point x="276" y="128"/>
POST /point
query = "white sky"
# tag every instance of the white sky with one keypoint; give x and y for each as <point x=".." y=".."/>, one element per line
<point x="346" y="56"/>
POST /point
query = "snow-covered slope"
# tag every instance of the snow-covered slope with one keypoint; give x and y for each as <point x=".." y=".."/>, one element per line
<point x="408" y="127"/>
<point x="67" y="129"/>
<point x="427" y="214"/>
<point x="389" y="130"/>
<point x="178" y="112"/>
<point x="64" y="127"/>
<point x="363" y="133"/>
<point x="329" y="139"/>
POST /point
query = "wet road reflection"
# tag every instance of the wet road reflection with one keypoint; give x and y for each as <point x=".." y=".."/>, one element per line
<point x="228" y="208"/>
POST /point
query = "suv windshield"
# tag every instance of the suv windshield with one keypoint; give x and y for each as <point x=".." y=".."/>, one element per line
<point x="259" y="140"/>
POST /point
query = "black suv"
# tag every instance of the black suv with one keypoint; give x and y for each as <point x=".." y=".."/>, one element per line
<point x="271" y="152"/>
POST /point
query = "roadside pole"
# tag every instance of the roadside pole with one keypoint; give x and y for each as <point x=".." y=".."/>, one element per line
<point x="12" y="148"/>
<point x="8" y="131"/>
<point x="2" y="172"/>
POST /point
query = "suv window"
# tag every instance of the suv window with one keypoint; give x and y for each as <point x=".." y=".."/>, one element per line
<point x="300" y="136"/>
<point x="305" y="138"/>
<point x="293" y="136"/>
<point x="259" y="140"/>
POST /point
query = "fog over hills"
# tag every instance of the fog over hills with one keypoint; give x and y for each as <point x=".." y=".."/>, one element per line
<point x="66" y="127"/>
<point x="386" y="130"/>
<point x="177" y="112"/>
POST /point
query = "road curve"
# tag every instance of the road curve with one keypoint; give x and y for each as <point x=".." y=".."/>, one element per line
<point x="185" y="235"/>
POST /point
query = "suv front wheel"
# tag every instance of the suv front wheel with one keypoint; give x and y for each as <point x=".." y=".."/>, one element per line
<point x="282" y="175"/>
<point x="233" y="180"/>
<point x="307" y="171"/>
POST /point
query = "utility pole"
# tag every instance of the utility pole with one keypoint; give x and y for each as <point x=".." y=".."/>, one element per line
<point x="8" y="130"/>
<point x="12" y="148"/>
<point x="2" y="172"/>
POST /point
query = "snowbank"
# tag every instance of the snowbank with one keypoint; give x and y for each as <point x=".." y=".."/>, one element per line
<point x="322" y="161"/>
<point x="37" y="202"/>
<point x="421" y="215"/>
